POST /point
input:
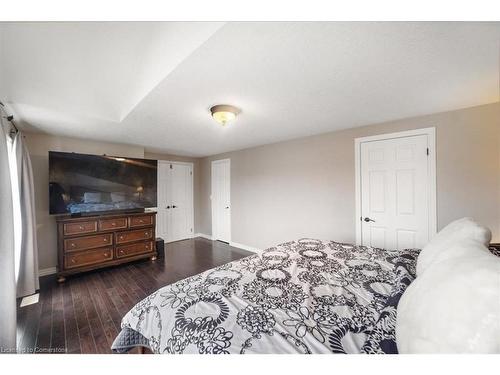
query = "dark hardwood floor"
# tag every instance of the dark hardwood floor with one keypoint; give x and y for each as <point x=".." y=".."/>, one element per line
<point x="83" y="315"/>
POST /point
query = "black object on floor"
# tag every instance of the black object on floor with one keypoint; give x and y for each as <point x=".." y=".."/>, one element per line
<point x="160" y="247"/>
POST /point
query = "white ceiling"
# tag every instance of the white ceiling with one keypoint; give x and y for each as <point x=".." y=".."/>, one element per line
<point x="152" y="84"/>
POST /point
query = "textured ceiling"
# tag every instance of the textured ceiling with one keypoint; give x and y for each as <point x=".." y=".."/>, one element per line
<point x="152" y="84"/>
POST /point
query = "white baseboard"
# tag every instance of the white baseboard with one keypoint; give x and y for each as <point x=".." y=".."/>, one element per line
<point x="246" y="247"/>
<point x="234" y="244"/>
<point x="203" y="235"/>
<point x="47" y="271"/>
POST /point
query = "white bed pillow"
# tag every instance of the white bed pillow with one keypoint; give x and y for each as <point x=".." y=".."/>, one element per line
<point x="117" y="197"/>
<point x="91" y="197"/>
<point x="457" y="231"/>
<point x="461" y="249"/>
<point x="454" y="306"/>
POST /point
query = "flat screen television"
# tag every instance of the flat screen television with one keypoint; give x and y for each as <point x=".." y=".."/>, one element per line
<point x="82" y="184"/>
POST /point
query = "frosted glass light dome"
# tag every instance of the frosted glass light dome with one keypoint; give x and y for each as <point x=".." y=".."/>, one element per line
<point x="224" y="113"/>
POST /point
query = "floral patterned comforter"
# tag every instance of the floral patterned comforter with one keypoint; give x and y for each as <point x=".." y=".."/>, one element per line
<point x="305" y="296"/>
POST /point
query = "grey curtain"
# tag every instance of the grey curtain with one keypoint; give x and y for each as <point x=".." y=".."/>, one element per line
<point x="27" y="261"/>
<point x="7" y="255"/>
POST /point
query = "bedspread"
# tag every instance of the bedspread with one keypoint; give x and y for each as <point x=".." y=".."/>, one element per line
<point x="304" y="296"/>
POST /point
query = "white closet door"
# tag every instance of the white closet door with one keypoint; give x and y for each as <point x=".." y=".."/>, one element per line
<point x="163" y="215"/>
<point x="181" y="199"/>
<point x="221" y="200"/>
<point x="395" y="193"/>
<point x="175" y="201"/>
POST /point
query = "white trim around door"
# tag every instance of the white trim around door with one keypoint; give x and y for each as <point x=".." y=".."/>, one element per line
<point x="431" y="160"/>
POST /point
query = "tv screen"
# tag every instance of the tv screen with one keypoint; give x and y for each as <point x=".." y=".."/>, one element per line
<point x="83" y="184"/>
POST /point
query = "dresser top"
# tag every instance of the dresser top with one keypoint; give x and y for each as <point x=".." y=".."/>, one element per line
<point x="68" y="218"/>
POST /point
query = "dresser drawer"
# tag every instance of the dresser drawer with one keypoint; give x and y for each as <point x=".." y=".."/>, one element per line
<point x="88" y="257"/>
<point x="88" y="242"/>
<point x="140" y="221"/>
<point x="134" y="249"/>
<point x="134" y="235"/>
<point x="80" y="227"/>
<point x="112" y="224"/>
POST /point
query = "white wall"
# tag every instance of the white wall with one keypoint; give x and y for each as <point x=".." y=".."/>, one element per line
<point x="305" y="187"/>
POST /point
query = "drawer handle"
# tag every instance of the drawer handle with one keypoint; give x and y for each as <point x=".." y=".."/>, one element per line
<point x="121" y="251"/>
<point x="73" y="244"/>
<point x="73" y="260"/>
<point x="121" y="237"/>
<point x="105" y="240"/>
<point x="146" y="233"/>
<point x="81" y="227"/>
<point x="141" y="221"/>
<point x="113" y="224"/>
<point x="147" y="247"/>
<point x="105" y="255"/>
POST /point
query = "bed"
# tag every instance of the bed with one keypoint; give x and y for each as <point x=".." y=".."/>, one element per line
<point x="304" y="296"/>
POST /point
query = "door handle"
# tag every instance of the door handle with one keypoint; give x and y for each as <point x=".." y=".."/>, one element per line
<point x="227" y="207"/>
<point x="168" y="207"/>
<point x="174" y="206"/>
<point x="367" y="220"/>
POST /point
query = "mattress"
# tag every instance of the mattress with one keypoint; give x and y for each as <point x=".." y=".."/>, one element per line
<point x="304" y="296"/>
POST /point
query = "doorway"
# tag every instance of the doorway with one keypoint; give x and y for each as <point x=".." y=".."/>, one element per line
<point x="396" y="189"/>
<point x="221" y="200"/>
<point x="175" y="201"/>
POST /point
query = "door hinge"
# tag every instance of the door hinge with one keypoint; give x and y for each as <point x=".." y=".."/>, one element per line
<point x="427" y="151"/>
<point x="171" y="166"/>
<point x="191" y="173"/>
<point x="191" y="229"/>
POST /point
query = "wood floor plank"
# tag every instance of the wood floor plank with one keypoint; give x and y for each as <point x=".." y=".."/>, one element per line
<point x="128" y="288"/>
<point x="114" y="296"/>
<point x="110" y="330"/>
<point x="86" y="340"/>
<point x="128" y="280"/>
<point x="45" y="326"/>
<point x="127" y="301"/>
<point x="84" y="314"/>
<point x="72" y="337"/>
<point x="29" y="338"/>
<point x="130" y="275"/>
<point x="93" y="318"/>
<point x="150" y="283"/>
<point x="21" y="326"/>
<point x="106" y="300"/>
<point x="58" y="338"/>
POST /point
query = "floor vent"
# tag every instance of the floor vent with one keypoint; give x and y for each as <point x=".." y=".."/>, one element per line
<point x="30" y="300"/>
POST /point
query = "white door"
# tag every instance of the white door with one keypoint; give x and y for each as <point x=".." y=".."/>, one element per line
<point x="395" y="188"/>
<point x="221" y="200"/>
<point x="175" y="201"/>
<point x="181" y="202"/>
<point x="163" y="214"/>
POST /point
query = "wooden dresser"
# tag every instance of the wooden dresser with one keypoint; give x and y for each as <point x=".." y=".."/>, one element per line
<point x="88" y="243"/>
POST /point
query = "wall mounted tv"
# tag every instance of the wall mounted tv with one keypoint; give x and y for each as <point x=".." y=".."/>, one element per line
<point x="91" y="184"/>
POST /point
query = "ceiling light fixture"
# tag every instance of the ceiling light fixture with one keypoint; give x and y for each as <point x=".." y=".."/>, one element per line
<point x="222" y="113"/>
